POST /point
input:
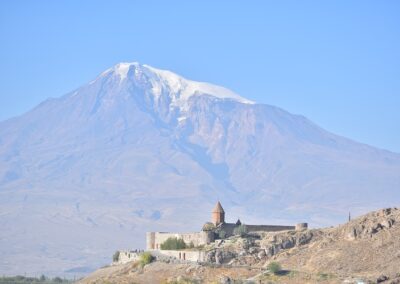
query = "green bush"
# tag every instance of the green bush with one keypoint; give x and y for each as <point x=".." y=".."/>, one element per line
<point x="208" y="227"/>
<point x="32" y="280"/>
<point x="173" y="244"/>
<point x="145" y="258"/>
<point x="325" y="276"/>
<point x="274" y="267"/>
<point x="116" y="256"/>
<point x="222" y="234"/>
<point x="240" y="230"/>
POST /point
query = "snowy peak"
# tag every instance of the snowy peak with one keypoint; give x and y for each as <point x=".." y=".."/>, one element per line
<point x="121" y="70"/>
<point x="187" y="88"/>
<point x="178" y="88"/>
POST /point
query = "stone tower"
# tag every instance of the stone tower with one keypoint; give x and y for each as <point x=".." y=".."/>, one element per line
<point x="218" y="214"/>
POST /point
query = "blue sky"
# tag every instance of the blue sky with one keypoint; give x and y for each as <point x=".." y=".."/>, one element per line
<point x="336" y="62"/>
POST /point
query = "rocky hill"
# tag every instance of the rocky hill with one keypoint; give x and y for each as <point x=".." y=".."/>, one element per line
<point x="364" y="250"/>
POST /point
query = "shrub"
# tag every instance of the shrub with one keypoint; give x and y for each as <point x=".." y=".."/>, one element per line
<point x="274" y="267"/>
<point x="208" y="227"/>
<point x="116" y="256"/>
<point x="173" y="244"/>
<point x="240" y="230"/>
<point x="145" y="258"/>
<point x="222" y="234"/>
<point x="325" y="276"/>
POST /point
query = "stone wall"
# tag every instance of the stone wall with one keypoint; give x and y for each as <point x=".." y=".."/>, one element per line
<point x="127" y="256"/>
<point x="229" y="228"/>
<point x="155" y="239"/>
<point x="180" y="255"/>
<point x="268" y="228"/>
<point x="150" y="240"/>
<point x="301" y="226"/>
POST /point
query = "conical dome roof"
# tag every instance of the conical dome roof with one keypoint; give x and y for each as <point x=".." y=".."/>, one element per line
<point x="218" y="208"/>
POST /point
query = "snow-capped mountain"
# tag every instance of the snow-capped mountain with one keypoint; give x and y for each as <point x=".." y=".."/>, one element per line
<point x="141" y="149"/>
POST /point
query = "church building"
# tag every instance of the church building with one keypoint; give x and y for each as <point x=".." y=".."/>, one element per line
<point x="212" y="230"/>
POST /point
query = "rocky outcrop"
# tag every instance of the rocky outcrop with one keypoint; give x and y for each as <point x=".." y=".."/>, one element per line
<point x="275" y="243"/>
<point x="256" y="247"/>
<point x="220" y="256"/>
<point x="370" y="243"/>
<point x="370" y="224"/>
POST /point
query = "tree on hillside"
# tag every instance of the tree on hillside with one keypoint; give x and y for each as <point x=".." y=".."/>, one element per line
<point x="274" y="267"/>
<point x="173" y="243"/>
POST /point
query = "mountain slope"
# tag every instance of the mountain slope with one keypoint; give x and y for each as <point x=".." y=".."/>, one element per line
<point x="140" y="149"/>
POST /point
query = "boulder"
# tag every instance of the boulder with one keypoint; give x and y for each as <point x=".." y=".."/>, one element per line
<point x="210" y="257"/>
<point x="382" y="278"/>
<point x="304" y="238"/>
<point x="225" y="280"/>
<point x="276" y="249"/>
<point x="218" y="257"/>
<point x="261" y="254"/>
<point x="253" y="250"/>
<point x="288" y="243"/>
<point x="387" y="223"/>
<point x="228" y="256"/>
<point x="242" y="253"/>
<point x="269" y="251"/>
<point x="352" y="234"/>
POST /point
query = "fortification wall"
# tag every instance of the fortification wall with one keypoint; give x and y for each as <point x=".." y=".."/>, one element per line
<point x="229" y="228"/>
<point x="183" y="255"/>
<point x="150" y="240"/>
<point x="155" y="239"/>
<point x="301" y="226"/>
<point x="268" y="228"/>
<point x="127" y="256"/>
